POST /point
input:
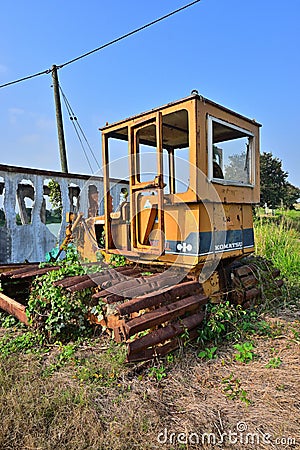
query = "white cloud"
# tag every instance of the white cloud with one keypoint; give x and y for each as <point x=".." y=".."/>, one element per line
<point x="14" y="113"/>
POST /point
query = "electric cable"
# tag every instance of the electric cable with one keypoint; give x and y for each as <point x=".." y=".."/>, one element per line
<point x="75" y="120"/>
<point x="76" y="131"/>
<point x="26" y="78"/>
<point x="114" y="41"/>
<point x="137" y="30"/>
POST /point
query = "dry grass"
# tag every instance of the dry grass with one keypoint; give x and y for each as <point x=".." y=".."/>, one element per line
<point x="96" y="402"/>
<point x="90" y="400"/>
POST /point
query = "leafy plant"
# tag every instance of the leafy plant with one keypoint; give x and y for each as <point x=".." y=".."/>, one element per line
<point x="296" y="334"/>
<point x="7" y="321"/>
<point x="245" y="353"/>
<point x="56" y="312"/>
<point x="274" y="363"/>
<point x="118" y="260"/>
<point x="231" y="322"/>
<point x="97" y="310"/>
<point x="233" y="390"/>
<point x="157" y="372"/>
<point x="222" y="319"/>
<point x="170" y="358"/>
<point x="25" y="342"/>
<point x="208" y="353"/>
<point x="64" y="356"/>
<point x="185" y="336"/>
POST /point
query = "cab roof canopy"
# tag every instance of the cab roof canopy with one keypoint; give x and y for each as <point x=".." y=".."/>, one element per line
<point x="175" y="125"/>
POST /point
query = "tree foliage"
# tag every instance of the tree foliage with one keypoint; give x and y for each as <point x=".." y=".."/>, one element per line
<point x="291" y="195"/>
<point x="55" y="194"/>
<point x="237" y="168"/>
<point x="275" y="190"/>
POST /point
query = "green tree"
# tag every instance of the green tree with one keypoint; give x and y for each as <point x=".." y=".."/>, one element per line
<point x="55" y="197"/>
<point x="272" y="181"/>
<point x="275" y="190"/>
<point x="291" y="195"/>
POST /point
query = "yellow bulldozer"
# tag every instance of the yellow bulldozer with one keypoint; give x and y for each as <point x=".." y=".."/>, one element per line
<point x="184" y="223"/>
<point x="193" y="176"/>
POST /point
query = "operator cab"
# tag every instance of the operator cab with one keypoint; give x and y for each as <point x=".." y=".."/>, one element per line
<point x="192" y="169"/>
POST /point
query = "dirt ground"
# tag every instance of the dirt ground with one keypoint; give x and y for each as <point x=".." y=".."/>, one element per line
<point x="94" y="401"/>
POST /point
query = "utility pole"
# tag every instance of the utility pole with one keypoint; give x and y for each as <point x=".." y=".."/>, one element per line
<point x="59" y="121"/>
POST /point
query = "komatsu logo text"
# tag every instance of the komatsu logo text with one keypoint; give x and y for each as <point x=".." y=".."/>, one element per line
<point x="229" y="246"/>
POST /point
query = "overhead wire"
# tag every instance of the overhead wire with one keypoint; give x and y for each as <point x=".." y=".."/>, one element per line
<point x="26" y="78"/>
<point x="74" y="119"/>
<point x="124" y="36"/>
<point x="114" y="41"/>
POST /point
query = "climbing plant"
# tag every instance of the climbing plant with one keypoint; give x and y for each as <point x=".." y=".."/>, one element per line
<point x="56" y="312"/>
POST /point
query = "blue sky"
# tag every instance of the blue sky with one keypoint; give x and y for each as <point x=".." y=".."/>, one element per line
<point x="244" y="55"/>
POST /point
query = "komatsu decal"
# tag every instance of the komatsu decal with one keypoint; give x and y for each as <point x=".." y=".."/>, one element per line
<point x="207" y="242"/>
<point x="229" y="246"/>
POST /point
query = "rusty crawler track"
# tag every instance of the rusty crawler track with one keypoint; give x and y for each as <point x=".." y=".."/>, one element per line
<point x="150" y="313"/>
<point x="246" y="284"/>
<point x="135" y="304"/>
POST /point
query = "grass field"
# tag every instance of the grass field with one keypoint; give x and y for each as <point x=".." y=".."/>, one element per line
<point x="279" y="242"/>
<point x="241" y="391"/>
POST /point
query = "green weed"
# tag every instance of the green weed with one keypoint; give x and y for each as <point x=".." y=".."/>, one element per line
<point x="157" y="372"/>
<point x="25" y="342"/>
<point x="208" y="353"/>
<point x="296" y="334"/>
<point x="170" y="358"/>
<point x="245" y="353"/>
<point x="233" y="390"/>
<point x="231" y="322"/>
<point x="57" y="313"/>
<point x="103" y="376"/>
<point x="185" y="336"/>
<point x="118" y="260"/>
<point x="65" y="355"/>
<point x="103" y="370"/>
<point x="274" y="363"/>
<point x="8" y="321"/>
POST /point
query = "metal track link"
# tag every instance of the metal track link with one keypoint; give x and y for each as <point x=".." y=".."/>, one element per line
<point x="247" y="281"/>
<point x="150" y="313"/>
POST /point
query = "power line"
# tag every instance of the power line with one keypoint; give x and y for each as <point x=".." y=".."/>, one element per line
<point x="114" y="41"/>
<point x="137" y="30"/>
<point x="26" y="78"/>
<point x="75" y="120"/>
<point x="78" y="128"/>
